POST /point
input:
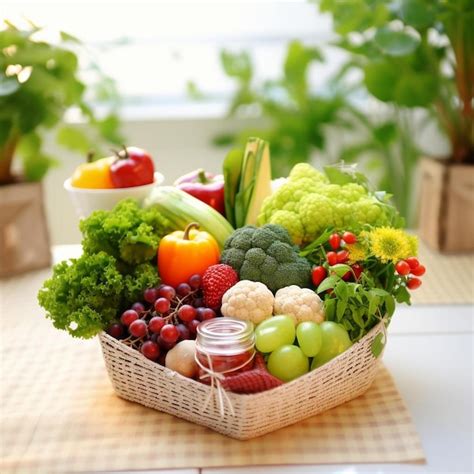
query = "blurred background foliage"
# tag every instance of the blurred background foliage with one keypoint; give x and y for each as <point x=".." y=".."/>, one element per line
<point x="409" y="56"/>
<point x="39" y="83"/>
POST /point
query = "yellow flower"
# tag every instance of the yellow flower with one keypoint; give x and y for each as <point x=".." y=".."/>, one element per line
<point x="391" y="245"/>
<point x="357" y="252"/>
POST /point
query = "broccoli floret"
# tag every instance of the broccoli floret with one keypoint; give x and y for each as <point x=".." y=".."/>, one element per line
<point x="272" y="258"/>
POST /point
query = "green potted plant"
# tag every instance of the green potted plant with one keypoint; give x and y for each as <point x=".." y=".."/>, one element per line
<point x="420" y="54"/>
<point x="39" y="83"/>
<point x="296" y="116"/>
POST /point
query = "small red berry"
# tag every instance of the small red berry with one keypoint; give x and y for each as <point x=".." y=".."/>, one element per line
<point x="342" y="256"/>
<point x="413" y="262"/>
<point x="335" y="241"/>
<point x="357" y="269"/>
<point x="331" y="258"/>
<point x="402" y="268"/>
<point x="413" y="283"/>
<point x="318" y="274"/>
<point x="349" y="238"/>
<point x="419" y="270"/>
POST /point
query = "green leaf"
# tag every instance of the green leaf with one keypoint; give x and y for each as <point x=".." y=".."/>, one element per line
<point x="373" y="303"/>
<point x="340" y="269"/>
<point x="380" y="78"/>
<point x="298" y="58"/>
<point x="357" y="316"/>
<point x="329" y="309"/>
<point x="378" y="292"/>
<point x="109" y="128"/>
<point x="316" y="243"/>
<point x="29" y="145"/>
<point x="74" y="139"/>
<point x="341" y="290"/>
<point x="416" y="13"/>
<point x="327" y="284"/>
<point x="396" y="42"/>
<point x="377" y="345"/>
<point x="402" y="295"/>
<point x="415" y="89"/>
<point x="389" y="305"/>
<point x="5" y="130"/>
<point x="343" y="174"/>
<point x="237" y="65"/>
<point x="35" y="167"/>
<point x="68" y="37"/>
<point x="341" y="309"/>
<point x="386" y="133"/>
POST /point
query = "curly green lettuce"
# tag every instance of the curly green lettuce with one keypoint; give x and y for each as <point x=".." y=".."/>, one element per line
<point x="84" y="295"/>
<point x="128" y="232"/>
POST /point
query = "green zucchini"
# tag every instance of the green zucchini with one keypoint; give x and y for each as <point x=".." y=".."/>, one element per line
<point x="181" y="208"/>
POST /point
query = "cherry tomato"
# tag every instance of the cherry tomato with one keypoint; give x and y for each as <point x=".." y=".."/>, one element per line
<point x="133" y="167"/>
<point x="342" y="256"/>
<point x="335" y="241"/>
<point x="349" y="238"/>
<point x="413" y="262"/>
<point x="347" y="276"/>
<point x="318" y="275"/>
<point x="331" y="258"/>
<point x="402" y="268"/>
<point x="357" y="269"/>
<point x="419" y="270"/>
<point x="413" y="283"/>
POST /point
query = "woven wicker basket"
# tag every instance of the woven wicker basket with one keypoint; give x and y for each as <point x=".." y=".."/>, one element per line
<point x="140" y="380"/>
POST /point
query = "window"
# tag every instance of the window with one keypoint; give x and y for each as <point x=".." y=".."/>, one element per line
<point x="153" y="49"/>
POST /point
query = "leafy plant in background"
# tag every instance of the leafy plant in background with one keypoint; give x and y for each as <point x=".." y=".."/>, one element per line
<point x="39" y="83"/>
<point x="297" y="116"/>
<point x="412" y="54"/>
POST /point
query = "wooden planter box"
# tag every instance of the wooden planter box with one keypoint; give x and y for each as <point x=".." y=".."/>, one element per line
<point x="24" y="238"/>
<point x="446" y="219"/>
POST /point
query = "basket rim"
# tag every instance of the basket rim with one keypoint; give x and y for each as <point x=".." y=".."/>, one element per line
<point x="172" y="373"/>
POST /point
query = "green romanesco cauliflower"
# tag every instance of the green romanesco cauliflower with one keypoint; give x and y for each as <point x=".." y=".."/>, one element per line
<point x="308" y="203"/>
<point x="266" y="254"/>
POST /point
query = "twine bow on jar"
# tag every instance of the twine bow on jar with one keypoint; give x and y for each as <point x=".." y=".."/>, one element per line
<point x="216" y="386"/>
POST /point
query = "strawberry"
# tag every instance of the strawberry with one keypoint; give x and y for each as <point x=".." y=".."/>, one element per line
<point x="217" y="279"/>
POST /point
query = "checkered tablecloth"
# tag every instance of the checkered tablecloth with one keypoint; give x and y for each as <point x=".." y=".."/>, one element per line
<point x="59" y="413"/>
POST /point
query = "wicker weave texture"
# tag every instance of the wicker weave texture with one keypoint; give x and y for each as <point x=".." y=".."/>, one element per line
<point x="140" y="380"/>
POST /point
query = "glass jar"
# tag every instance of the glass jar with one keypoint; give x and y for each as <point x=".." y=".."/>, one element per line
<point x="225" y="345"/>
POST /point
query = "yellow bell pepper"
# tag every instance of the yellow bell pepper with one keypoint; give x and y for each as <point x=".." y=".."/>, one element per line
<point x="94" y="175"/>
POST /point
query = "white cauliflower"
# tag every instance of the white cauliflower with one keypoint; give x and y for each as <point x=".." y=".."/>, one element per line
<point x="301" y="304"/>
<point x="248" y="300"/>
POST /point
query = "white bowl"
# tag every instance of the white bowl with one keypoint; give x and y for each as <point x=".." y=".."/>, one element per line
<point x="87" y="200"/>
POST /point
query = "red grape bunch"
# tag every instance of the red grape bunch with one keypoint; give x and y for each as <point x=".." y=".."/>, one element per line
<point x="167" y="315"/>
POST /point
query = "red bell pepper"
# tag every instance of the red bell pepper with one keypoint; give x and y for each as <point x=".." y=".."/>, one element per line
<point x="204" y="186"/>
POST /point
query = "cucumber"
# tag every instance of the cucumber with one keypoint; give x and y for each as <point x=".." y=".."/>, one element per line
<point x="181" y="208"/>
